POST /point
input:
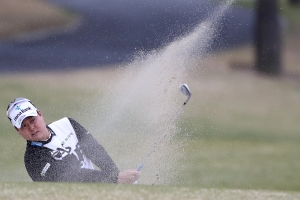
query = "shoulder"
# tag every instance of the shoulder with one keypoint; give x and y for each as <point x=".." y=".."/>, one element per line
<point x="64" y="120"/>
<point x="73" y="121"/>
<point x="34" y="151"/>
<point x="61" y="121"/>
<point x="77" y="126"/>
<point x="62" y="125"/>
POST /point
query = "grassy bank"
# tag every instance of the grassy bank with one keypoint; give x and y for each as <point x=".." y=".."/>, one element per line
<point x="129" y="192"/>
<point x="241" y="129"/>
<point x="18" y="17"/>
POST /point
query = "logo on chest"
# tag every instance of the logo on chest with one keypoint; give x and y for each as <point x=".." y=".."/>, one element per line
<point x="60" y="153"/>
<point x="67" y="147"/>
<point x="66" y="139"/>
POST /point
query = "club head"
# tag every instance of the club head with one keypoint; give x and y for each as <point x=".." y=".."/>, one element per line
<point x="184" y="88"/>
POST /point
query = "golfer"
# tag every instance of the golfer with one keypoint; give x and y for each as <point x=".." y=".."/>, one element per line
<point x="63" y="151"/>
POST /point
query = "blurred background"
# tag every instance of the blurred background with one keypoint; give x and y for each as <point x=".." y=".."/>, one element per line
<point x="94" y="58"/>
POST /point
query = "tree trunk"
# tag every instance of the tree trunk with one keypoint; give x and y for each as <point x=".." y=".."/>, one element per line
<point x="268" y="37"/>
<point x="295" y="2"/>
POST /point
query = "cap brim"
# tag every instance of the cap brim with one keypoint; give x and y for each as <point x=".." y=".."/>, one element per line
<point x="18" y="123"/>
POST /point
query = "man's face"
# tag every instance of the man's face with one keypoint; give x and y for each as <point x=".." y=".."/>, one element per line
<point x="33" y="128"/>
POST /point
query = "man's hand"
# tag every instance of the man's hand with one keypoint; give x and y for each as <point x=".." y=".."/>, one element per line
<point x="128" y="176"/>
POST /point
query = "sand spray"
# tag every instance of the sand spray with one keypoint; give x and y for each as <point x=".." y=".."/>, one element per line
<point x="138" y="105"/>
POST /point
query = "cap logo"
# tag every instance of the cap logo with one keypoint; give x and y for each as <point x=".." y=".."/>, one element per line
<point x="18" y="108"/>
<point x="21" y="118"/>
<point x="21" y="112"/>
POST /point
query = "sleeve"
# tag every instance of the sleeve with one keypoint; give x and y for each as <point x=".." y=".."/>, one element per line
<point x="95" y="152"/>
<point x="42" y="167"/>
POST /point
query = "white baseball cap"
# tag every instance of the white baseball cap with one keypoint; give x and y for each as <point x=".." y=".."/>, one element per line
<point x="19" y="109"/>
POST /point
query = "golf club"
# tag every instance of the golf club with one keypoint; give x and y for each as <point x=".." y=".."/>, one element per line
<point x="186" y="91"/>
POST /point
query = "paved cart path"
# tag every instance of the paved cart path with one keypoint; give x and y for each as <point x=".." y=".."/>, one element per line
<point x="111" y="31"/>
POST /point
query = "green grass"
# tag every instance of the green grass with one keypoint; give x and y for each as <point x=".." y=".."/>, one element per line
<point x="243" y="132"/>
<point x="110" y="192"/>
<point x="239" y="131"/>
<point x="241" y="164"/>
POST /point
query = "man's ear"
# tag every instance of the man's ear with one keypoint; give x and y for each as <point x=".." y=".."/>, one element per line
<point x="39" y="112"/>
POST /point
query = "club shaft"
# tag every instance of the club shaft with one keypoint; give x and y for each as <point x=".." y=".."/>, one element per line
<point x="139" y="168"/>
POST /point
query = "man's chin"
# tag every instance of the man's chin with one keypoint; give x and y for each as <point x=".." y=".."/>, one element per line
<point x="35" y="137"/>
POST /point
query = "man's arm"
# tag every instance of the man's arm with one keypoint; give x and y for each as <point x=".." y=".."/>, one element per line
<point x="42" y="167"/>
<point x="94" y="151"/>
<point x="99" y="156"/>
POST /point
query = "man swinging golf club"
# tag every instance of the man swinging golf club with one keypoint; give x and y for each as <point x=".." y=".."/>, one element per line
<point x="63" y="151"/>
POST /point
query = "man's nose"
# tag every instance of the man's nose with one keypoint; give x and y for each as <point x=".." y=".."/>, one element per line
<point x="30" y="126"/>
